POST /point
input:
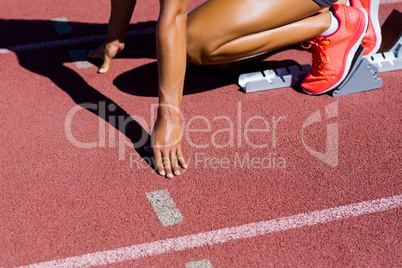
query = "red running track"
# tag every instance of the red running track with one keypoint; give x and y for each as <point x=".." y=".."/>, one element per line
<point x="73" y="190"/>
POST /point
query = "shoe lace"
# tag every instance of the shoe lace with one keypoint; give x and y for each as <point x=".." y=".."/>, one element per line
<point x="320" y="55"/>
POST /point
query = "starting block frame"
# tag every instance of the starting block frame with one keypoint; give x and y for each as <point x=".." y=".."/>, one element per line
<point x="273" y="78"/>
<point x="389" y="61"/>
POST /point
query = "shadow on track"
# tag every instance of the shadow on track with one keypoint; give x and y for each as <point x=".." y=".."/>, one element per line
<point x="141" y="81"/>
<point x="50" y="62"/>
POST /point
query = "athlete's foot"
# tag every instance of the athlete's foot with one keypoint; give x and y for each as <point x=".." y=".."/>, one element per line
<point x="372" y="38"/>
<point x="106" y="52"/>
<point x="333" y="54"/>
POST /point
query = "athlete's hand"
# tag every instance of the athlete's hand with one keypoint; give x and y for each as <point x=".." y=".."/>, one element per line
<point x="166" y="145"/>
<point x="106" y="52"/>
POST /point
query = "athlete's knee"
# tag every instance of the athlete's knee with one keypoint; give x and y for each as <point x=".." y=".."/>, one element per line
<point x="194" y="49"/>
<point x="199" y="51"/>
<point x="195" y="52"/>
<point x="199" y="48"/>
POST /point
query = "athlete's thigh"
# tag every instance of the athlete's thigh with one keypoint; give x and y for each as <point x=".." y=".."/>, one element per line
<point x="221" y="21"/>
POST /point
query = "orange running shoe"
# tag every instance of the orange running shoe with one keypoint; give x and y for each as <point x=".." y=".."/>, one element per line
<point x="372" y="39"/>
<point x="333" y="54"/>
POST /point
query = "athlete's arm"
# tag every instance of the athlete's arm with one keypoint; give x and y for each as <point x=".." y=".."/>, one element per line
<point x="120" y="16"/>
<point x="172" y="58"/>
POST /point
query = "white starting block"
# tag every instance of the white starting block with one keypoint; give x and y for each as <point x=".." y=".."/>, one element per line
<point x="389" y="61"/>
<point x="362" y="76"/>
<point x="273" y="78"/>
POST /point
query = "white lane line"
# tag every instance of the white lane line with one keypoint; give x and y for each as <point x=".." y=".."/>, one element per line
<point x="62" y="25"/>
<point x="225" y="235"/>
<point x="165" y="207"/>
<point x="200" y="264"/>
<point x="80" y="58"/>
<point x="71" y="41"/>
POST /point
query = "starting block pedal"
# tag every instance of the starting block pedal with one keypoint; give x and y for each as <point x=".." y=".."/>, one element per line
<point x="361" y="77"/>
<point x="388" y="61"/>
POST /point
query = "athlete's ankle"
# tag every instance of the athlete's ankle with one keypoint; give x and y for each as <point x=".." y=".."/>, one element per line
<point x="333" y="27"/>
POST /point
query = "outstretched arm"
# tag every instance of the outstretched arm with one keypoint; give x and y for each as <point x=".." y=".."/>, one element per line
<point x="172" y="58"/>
<point x="120" y="16"/>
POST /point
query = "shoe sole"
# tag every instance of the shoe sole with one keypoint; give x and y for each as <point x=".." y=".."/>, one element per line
<point x="349" y="59"/>
<point x="374" y="7"/>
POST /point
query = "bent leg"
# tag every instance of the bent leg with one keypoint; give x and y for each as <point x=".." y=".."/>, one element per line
<point x="221" y="31"/>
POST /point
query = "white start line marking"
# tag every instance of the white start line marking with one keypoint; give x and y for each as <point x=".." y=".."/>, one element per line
<point x="225" y="235"/>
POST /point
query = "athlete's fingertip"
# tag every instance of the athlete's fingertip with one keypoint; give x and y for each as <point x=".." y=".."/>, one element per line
<point x="102" y="70"/>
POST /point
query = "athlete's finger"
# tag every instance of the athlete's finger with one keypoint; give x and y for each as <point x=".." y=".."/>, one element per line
<point x="167" y="165"/>
<point x="105" y="66"/>
<point x="158" y="162"/>
<point x="175" y="163"/>
<point x="180" y="157"/>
